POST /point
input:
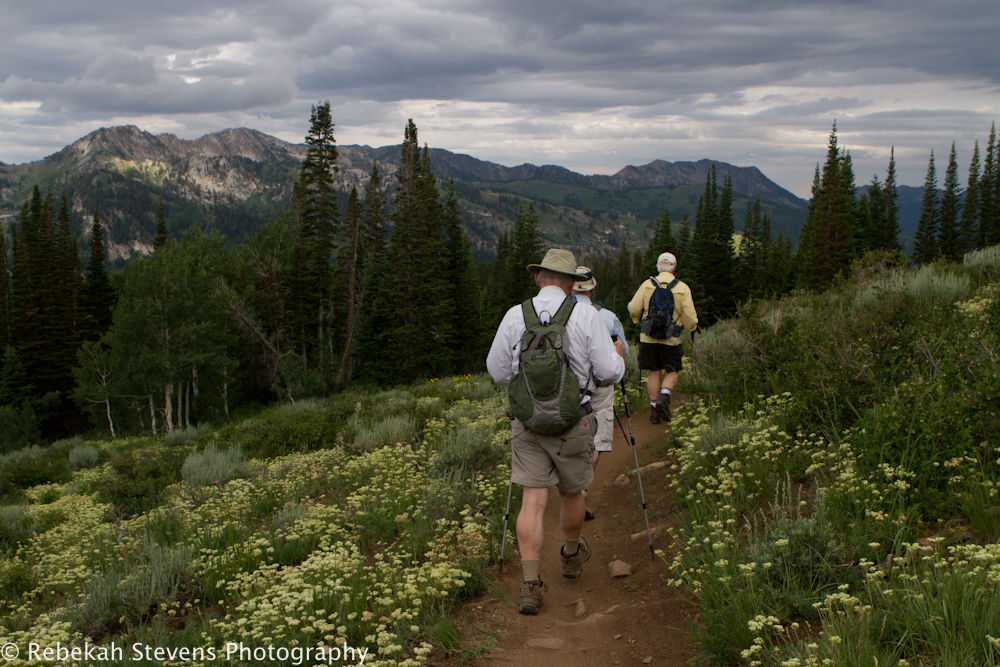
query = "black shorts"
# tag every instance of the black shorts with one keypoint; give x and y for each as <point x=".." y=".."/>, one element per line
<point x="660" y="357"/>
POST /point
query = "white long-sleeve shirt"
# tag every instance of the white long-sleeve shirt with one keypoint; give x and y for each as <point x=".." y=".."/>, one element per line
<point x="611" y="321"/>
<point x="592" y="355"/>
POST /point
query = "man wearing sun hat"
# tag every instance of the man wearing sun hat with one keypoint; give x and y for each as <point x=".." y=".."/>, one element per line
<point x="563" y="460"/>
<point x="604" y="396"/>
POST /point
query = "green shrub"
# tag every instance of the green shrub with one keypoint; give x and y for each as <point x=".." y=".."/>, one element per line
<point x="183" y="436"/>
<point x="18" y="427"/>
<point x="83" y="456"/>
<point x="986" y="260"/>
<point x="305" y="425"/>
<point x="132" y="589"/>
<point x="465" y="450"/>
<point x="212" y="466"/>
<point x="477" y="388"/>
<point x="136" y="481"/>
<point x="369" y="436"/>
<point x="921" y="427"/>
<point x="30" y="467"/>
<point x="15" y="527"/>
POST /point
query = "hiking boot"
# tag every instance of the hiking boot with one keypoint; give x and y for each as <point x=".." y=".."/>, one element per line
<point x="588" y="515"/>
<point x="654" y="415"/>
<point x="663" y="406"/>
<point x="531" y="596"/>
<point x="573" y="565"/>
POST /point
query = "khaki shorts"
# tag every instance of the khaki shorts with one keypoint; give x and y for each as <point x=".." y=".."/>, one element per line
<point x="565" y="460"/>
<point x="604" y="411"/>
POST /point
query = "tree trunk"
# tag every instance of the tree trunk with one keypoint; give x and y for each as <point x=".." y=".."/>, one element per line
<point x="180" y="406"/>
<point x="187" y="405"/>
<point x="152" y="412"/>
<point x="225" y="399"/>
<point x="111" y="423"/>
<point x="168" y="407"/>
<point x="319" y="335"/>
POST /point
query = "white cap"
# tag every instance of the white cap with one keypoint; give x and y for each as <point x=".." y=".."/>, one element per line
<point x="665" y="260"/>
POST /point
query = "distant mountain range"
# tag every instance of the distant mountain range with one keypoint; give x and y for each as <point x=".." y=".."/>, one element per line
<point x="237" y="179"/>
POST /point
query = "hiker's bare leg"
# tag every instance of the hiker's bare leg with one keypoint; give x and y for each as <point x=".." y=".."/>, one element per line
<point x="669" y="380"/>
<point x="530" y="530"/>
<point x="597" y="455"/>
<point x="653" y="385"/>
<point x="571" y="515"/>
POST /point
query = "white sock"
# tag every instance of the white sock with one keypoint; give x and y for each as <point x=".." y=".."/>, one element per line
<point x="665" y="391"/>
<point x="652" y="404"/>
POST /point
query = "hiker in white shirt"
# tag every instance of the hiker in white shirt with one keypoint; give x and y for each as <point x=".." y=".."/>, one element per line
<point x="563" y="460"/>
<point x="604" y="396"/>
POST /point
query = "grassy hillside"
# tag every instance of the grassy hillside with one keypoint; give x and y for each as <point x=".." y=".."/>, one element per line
<point x="839" y="475"/>
<point x="357" y="521"/>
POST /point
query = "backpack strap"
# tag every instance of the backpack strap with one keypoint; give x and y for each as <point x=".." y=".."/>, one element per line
<point x="530" y="316"/>
<point x="562" y="315"/>
<point x="560" y="318"/>
<point x="673" y="282"/>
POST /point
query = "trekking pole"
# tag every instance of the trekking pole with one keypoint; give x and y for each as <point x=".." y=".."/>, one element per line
<point x="638" y="475"/>
<point x="503" y="542"/>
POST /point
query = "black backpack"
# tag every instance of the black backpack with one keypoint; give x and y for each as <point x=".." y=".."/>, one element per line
<point x="659" y="321"/>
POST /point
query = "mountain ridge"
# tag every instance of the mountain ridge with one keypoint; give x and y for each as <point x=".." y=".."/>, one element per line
<point x="234" y="180"/>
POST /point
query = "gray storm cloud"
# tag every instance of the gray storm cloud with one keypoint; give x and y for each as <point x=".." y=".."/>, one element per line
<point x="917" y="72"/>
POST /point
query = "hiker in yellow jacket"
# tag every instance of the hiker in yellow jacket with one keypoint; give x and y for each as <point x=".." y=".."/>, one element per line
<point x="662" y="356"/>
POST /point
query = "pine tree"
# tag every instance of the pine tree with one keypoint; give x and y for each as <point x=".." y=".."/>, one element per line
<point x="467" y="309"/>
<point x="162" y="235"/>
<point x="724" y="255"/>
<point x="98" y="297"/>
<point x="925" y="248"/>
<point x="525" y="248"/>
<point x="969" y="225"/>
<point x="888" y="227"/>
<point x="949" y="241"/>
<point x="373" y="216"/>
<point x="416" y="293"/>
<point x="986" y="190"/>
<point x="861" y="233"/>
<point x="714" y="270"/>
<point x="497" y="295"/>
<point x="4" y="293"/>
<point x="318" y="228"/>
<point x="683" y="253"/>
<point x="66" y="322"/>
<point x="753" y="249"/>
<point x="351" y="265"/>
<point x="874" y="212"/>
<point x="663" y="241"/>
<point x="826" y="243"/>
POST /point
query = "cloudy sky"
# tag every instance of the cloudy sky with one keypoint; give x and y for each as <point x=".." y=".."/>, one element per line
<point x="592" y="85"/>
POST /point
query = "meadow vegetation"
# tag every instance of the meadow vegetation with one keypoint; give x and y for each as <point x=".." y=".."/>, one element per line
<point x="838" y="473"/>
<point x="353" y="521"/>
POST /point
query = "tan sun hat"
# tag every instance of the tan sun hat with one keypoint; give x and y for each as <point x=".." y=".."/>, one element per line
<point x="557" y="261"/>
<point x="585" y="285"/>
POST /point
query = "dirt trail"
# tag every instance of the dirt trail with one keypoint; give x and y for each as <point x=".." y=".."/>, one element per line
<point x="624" y="621"/>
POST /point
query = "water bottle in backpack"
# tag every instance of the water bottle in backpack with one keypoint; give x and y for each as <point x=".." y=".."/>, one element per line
<point x="659" y="321"/>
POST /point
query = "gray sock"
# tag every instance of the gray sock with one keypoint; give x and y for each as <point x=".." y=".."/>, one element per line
<point x="572" y="546"/>
<point x="530" y="569"/>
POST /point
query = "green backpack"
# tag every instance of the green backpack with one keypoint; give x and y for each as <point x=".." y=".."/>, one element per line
<point x="545" y="392"/>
